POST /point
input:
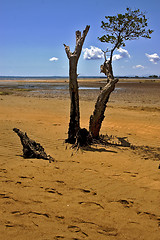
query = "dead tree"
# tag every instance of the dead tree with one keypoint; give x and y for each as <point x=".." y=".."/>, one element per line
<point x="31" y="149"/>
<point x="74" y="125"/>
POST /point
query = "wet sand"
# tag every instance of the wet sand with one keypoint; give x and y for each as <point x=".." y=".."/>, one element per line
<point x="110" y="192"/>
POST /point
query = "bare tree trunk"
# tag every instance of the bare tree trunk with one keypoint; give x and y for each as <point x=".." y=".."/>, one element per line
<point x="97" y="117"/>
<point x="74" y="124"/>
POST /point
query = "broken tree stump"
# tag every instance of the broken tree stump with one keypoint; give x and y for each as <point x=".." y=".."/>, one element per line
<point x="32" y="149"/>
<point x="74" y="125"/>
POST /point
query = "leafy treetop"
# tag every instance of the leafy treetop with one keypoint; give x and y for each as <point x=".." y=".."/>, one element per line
<point x="129" y="26"/>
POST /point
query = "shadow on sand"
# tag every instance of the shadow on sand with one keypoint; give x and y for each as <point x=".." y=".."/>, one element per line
<point x="146" y="152"/>
<point x="95" y="149"/>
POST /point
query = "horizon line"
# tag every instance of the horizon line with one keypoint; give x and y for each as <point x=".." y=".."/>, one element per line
<point x="30" y="76"/>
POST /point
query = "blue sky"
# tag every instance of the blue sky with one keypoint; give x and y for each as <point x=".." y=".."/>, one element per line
<point x="32" y="33"/>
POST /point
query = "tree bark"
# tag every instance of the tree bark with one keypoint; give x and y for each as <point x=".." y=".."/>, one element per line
<point x="97" y="117"/>
<point x="74" y="124"/>
<point x="106" y="68"/>
<point x="73" y="57"/>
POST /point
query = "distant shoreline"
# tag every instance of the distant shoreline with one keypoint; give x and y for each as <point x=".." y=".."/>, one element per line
<point x="67" y="77"/>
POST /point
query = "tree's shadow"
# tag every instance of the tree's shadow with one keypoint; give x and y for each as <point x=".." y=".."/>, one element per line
<point x="114" y="141"/>
<point x="103" y="142"/>
<point x="95" y="149"/>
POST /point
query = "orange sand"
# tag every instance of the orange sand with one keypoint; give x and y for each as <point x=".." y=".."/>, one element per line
<point x="95" y="194"/>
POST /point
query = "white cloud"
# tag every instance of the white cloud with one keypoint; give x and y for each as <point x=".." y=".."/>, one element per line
<point x="53" y="59"/>
<point x="138" y="66"/>
<point x="153" y="57"/>
<point x="93" y="53"/>
<point x="117" y="57"/>
<point x="123" y="54"/>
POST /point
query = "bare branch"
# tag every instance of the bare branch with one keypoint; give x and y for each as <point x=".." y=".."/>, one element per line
<point x="85" y="32"/>
<point x="80" y="41"/>
<point x="68" y="52"/>
<point x="78" y="36"/>
<point x="105" y="56"/>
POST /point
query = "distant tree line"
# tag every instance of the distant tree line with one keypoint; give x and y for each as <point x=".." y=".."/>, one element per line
<point x="154" y="76"/>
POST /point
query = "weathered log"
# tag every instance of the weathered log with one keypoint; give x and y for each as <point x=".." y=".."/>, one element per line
<point x="73" y="57"/>
<point x="32" y="149"/>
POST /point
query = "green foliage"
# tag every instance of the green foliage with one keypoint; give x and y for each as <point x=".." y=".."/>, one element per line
<point x="153" y="76"/>
<point x="129" y="26"/>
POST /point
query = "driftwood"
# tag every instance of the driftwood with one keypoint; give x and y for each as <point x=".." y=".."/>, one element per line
<point x="73" y="57"/>
<point x="32" y="149"/>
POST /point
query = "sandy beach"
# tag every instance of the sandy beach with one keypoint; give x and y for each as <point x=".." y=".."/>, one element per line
<point x="98" y="193"/>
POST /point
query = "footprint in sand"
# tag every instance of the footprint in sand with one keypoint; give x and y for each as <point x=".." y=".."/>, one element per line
<point x="90" y="170"/>
<point x="7" y="196"/>
<point x="105" y="230"/>
<point x="58" y="237"/>
<point x="151" y="216"/>
<point x="60" y="217"/>
<point x="3" y="170"/>
<point x="131" y="174"/>
<point x="19" y="213"/>
<point x="24" y="177"/>
<point x="108" y="231"/>
<point x="8" y="224"/>
<point x="126" y="203"/>
<point x="7" y="181"/>
<point x="91" y="204"/>
<point x="76" y="229"/>
<point x="52" y="190"/>
<point x="87" y="191"/>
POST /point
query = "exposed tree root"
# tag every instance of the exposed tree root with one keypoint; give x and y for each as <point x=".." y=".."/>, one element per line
<point x="83" y="139"/>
